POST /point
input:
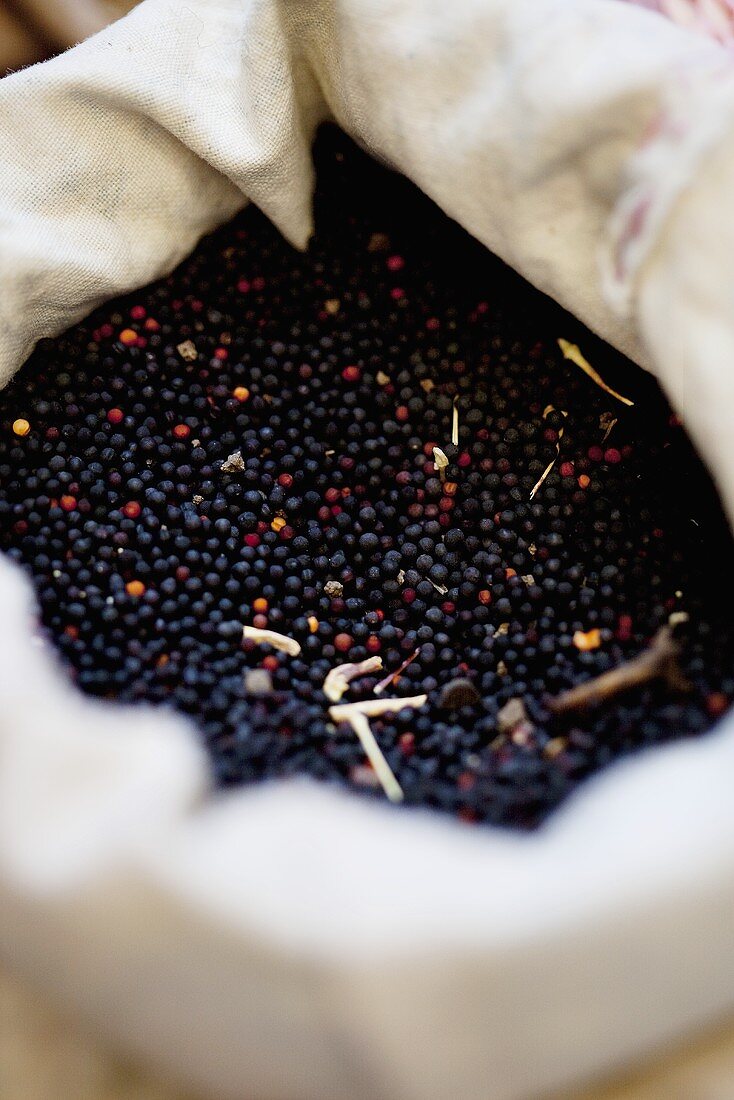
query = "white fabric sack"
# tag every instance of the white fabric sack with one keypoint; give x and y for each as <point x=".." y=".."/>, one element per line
<point x="288" y="941"/>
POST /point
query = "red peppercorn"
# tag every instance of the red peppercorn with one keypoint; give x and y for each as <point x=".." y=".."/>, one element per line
<point x="464" y="460"/>
<point x="343" y="643"/>
<point x="395" y="263"/>
<point x="408" y="595"/>
<point x="260" y="621"/>
<point x="716" y="703"/>
<point x="287" y="532"/>
<point x="466" y="815"/>
<point x="115" y="416"/>
<point x="221" y="354"/>
<point x="567" y="469"/>
<point x="252" y="540"/>
<point x="243" y="286"/>
<point x="402" y="413"/>
<point x="151" y="325"/>
<point x="407" y="743"/>
<point x="137" y="313"/>
<point x="285" y="480"/>
<point x="182" y="573"/>
<point x="128" y="337"/>
<point x="68" y="503"/>
<point x="132" y="509"/>
<point x="332" y="495"/>
<point x="596" y="454"/>
<point x="612" y="456"/>
<point x="135" y="588"/>
<point x="182" y="431"/>
<point x="270" y="662"/>
<point x="351" y="374"/>
<point x="373" y="644"/>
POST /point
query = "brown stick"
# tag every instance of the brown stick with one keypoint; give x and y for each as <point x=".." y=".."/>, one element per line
<point x="658" y="662"/>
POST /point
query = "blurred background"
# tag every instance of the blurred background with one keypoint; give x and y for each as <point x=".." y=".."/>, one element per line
<point x="31" y="30"/>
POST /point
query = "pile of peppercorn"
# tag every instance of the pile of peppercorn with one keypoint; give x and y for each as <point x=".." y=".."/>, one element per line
<point x="265" y="438"/>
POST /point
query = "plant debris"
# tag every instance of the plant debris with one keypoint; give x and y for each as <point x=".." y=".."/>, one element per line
<point x="338" y="680"/>
<point x="357" y="715"/>
<point x="455" y="422"/>
<point x="660" y="661"/>
<point x="187" y="350"/>
<point x="233" y="464"/>
<point x="573" y="352"/>
<point x="258" y="681"/>
<point x="393" y="676"/>
<point x="440" y="461"/>
<point x="549" y="409"/>
<point x="606" y="423"/>
<point x="273" y="638"/>
<point x="512" y="715"/>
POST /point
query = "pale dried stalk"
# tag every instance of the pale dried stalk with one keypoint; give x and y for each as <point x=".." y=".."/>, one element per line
<point x="374" y="754"/>
<point x="375" y="708"/>
<point x="573" y="352"/>
<point x="551" y="464"/>
<point x="357" y="715"/>
<point x="271" y="637"/>
<point x="339" y="678"/>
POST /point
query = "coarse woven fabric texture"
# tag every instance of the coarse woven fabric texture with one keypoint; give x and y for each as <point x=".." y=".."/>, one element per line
<point x="291" y="942"/>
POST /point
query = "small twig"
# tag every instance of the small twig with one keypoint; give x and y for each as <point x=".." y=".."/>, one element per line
<point x="573" y="352"/>
<point x="375" y="708"/>
<point x="273" y="638"/>
<point x="374" y="754"/>
<point x="455" y="423"/>
<point x="357" y="715"/>
<point x="379" y="688"/>
<point x="548" y="409"/>
<point x="658" y="662"/>
<point x="339" y="678"/>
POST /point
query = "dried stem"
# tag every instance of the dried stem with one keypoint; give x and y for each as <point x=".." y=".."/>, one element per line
<point x="573" y="352"/>
<point x="374" y="754"/>
<point x="339" y="678"/>
<point x="658" y="662"/>
<point x="273" y="638"/>
<point x="379" y="688"/>
<point x="357" y="715"/>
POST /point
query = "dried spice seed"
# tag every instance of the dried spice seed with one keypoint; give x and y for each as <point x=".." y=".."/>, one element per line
<point x="284" y="476"/>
